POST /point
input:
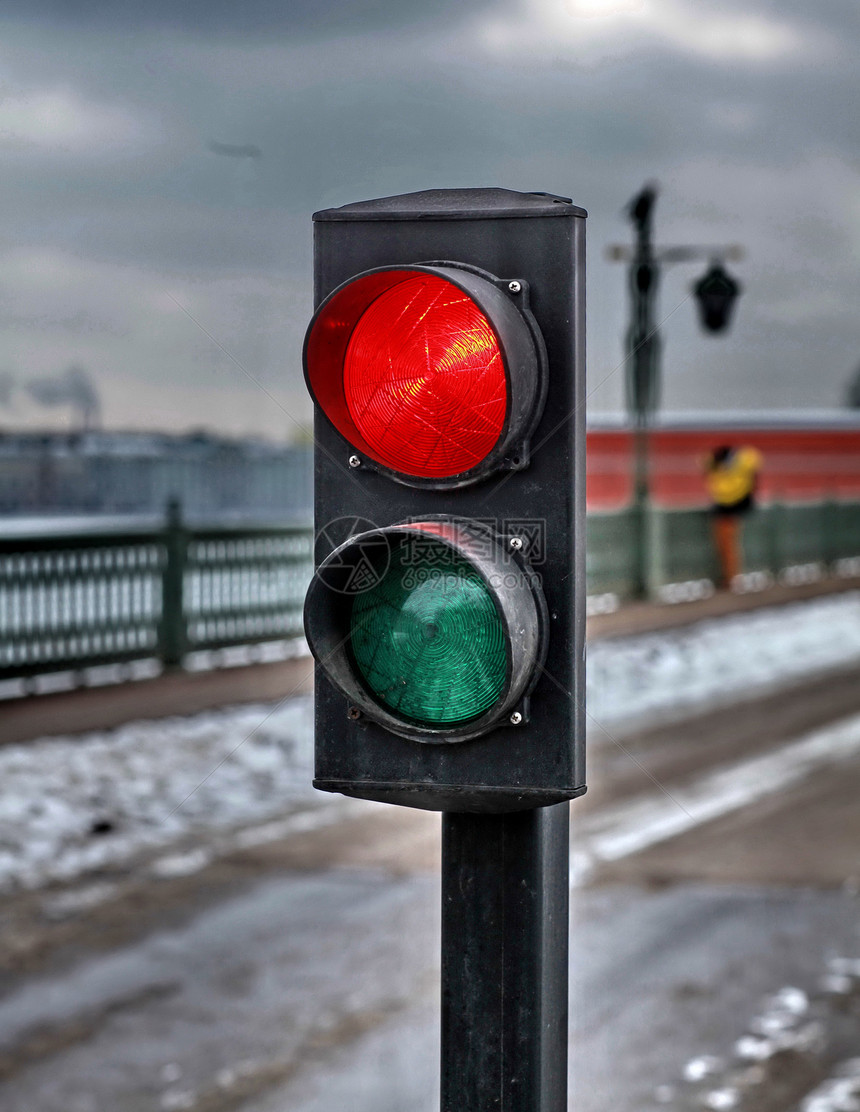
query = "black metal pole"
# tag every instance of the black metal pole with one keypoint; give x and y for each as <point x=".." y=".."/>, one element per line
<point x="505" y="894"/>
<point x="643" y="372"/>
<point x="172" y="632"/>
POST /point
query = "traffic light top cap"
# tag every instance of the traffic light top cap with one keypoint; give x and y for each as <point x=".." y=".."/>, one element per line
<point x="455" y="204"/>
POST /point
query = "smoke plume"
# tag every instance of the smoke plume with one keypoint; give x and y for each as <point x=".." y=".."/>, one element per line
<point x="72" y="387"/>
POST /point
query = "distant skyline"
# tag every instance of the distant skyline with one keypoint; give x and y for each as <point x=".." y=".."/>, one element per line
<point x="162" y="161"/>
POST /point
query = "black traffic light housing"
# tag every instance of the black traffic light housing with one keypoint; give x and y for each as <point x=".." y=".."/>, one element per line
<point x="716" y="293"/>
<point x="526" y="253"/>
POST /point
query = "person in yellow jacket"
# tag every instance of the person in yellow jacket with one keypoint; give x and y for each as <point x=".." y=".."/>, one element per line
<point x="731" y="476"/>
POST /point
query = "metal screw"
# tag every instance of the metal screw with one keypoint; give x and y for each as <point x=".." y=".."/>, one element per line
<point x="354" y="461"/>
<point x="516" y="543"/>
<point x="515" y="286"/>
<point x="516" y="718"/>
<point x="353" y="713"/>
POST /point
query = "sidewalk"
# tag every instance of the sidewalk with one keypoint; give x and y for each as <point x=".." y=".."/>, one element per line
<point x="185" y="693"/>
<point x="101" y="708"/>
<point x="645" y="617"/>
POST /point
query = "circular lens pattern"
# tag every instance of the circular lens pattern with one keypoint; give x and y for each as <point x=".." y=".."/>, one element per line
<point x="424" y="379"/>
<point x="427" y="640"/>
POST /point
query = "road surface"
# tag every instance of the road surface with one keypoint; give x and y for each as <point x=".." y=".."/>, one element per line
<point x="714" y="865"/>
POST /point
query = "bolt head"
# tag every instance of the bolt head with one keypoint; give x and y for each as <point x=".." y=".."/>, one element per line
<point x="353" y="713"/>
<point x="354" y="461"/>
<point x="515" y="286"/>
<point x="516" y="718"/>
<point x="516" y="543"/>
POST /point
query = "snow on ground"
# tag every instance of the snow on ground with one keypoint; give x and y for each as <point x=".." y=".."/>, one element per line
<point x="72" y="805"/>
<point x="719" y="660"/>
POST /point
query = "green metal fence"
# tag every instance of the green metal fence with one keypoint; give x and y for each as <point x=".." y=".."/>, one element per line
<point x="776" y="538"/>
<point x="75" y="599"/>
<point x="71" y="600"/>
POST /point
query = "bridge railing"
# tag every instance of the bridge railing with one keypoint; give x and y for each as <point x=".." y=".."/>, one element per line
<point x="777" y="539"/>
<point x="73" y="598"/>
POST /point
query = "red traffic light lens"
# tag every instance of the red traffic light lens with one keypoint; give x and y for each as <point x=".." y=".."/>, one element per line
<point x="424" y="380"/>
<point x="431" y="373"/>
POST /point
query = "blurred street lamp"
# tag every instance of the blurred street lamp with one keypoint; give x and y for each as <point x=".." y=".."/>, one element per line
<point x="716" y="292"/>
<point x="852" y="391"/>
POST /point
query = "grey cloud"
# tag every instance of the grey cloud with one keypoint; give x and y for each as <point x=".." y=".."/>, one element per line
<point x="837" y="15"/>
<point x="367" y="114"/>
<point x="248" y="20"/>
<point x="234" y="150"/>
<point x="7" y="388"/>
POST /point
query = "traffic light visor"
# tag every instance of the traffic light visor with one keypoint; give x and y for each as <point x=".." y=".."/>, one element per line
<point x="430" y="373"/>
<point x="431" y="628"/>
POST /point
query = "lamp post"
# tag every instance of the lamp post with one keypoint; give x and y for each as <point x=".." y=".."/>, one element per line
<point x="716" y="292"/>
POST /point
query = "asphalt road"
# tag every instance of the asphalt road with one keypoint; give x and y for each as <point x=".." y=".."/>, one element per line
<point x="715" y="864"/>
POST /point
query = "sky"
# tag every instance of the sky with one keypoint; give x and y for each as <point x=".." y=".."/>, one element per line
<point x="161" y="162"/>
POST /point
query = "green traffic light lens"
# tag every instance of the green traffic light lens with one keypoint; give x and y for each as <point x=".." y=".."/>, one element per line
<point x="428" y="640"/>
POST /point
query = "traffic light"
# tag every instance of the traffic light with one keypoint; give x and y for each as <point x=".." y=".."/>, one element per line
<point x="446" y="614"/>
<point x="716" y="293"/>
